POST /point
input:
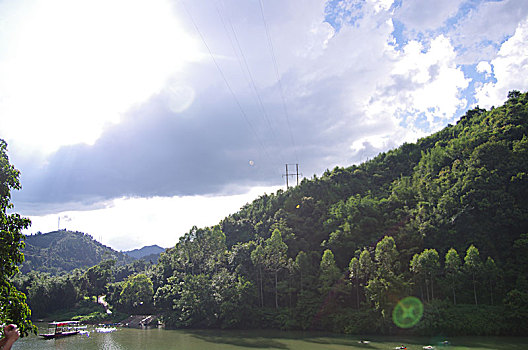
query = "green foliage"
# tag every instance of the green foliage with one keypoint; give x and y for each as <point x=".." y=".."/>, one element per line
<point x="47" y="293"/>
<point x="452" y="270"/>
<point x="63" y="251"/>
<point x="445" y="318"/>
<point x="136" y="295"/>
<point x="426" y="266"/>
<point x="329" y="273"/>
<point x="96" y="277"/>
<point x="473" y="266"/>
<point x="277" y="262"/>
<point x="13" y="307"/>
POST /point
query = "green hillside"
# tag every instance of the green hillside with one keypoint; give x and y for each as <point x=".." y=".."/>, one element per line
<point x="443" y="220"/>
<point x="338" y="251"/>
<point x="63" y="251"/>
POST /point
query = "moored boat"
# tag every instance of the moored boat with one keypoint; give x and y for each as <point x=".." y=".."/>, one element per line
<point x="61" y="329"/>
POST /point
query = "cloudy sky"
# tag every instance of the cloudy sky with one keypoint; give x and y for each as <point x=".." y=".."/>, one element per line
<point x="135" y="120"/>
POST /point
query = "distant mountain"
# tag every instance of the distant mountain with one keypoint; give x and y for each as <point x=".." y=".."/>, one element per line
<point x="63" y="250"/>
<point x="149" y="253"/>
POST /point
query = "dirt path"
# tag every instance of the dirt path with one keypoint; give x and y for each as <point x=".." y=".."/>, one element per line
<point x="101" y="300"/>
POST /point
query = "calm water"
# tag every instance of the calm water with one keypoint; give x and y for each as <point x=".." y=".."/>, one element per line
<point x="154" y="339"/>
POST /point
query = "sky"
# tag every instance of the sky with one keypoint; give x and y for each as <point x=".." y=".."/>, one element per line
<point x="134" y="120"/>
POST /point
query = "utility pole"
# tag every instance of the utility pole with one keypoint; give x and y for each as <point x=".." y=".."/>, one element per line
<point x="287" y="175"/>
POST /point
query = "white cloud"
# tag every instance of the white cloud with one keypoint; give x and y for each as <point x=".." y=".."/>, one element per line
<point x="510" y="69"/>
<point x="381" y="5"/>
<point x="424" y="84"/>
<point x="128" y="223"/>
<point x="480" y="33"/>
<point x="71" y="67"/>
<point x="422" y="15"/>
<point x="484" y="67"/>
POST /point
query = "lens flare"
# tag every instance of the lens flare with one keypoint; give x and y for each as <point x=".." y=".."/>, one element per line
<point x="408" y="312"/>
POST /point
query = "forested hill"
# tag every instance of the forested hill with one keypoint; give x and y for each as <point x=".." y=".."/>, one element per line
<point x="63" y="251"/>
<point x="466" y="184"/>
<point x="148" y="253"/>
<point x="145" y="251"/>
<point x="444" y="219"/>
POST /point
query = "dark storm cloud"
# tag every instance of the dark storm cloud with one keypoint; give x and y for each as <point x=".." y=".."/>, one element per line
<point x="206" y="149"/>
<point x="153" y="152"/>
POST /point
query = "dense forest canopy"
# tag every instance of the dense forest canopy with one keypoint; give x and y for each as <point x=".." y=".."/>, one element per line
<point x="444" y="219"/>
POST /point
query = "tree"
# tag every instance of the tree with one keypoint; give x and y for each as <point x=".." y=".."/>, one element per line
<point x="426" y="264"/>
<point x="257" y="257"/>
<point x="452" y="270"/>
<point x="137" y="294"/>
<point x="366" y="265"/>
<point x="196" y="305"/>
<point x="96" y="277"/>
<point x="275" y="258"/>
<point x="417" y="269"/>
<point x="386" y="255"/>
<point x="492" y="272"/>
<point x="13" y="306"/>
<point x="329" y="273"/>
<point x="473" y="265"/>
<point x="302" y="264"/>
<point x="385" y="287"/>
<point x="353" y="268"/>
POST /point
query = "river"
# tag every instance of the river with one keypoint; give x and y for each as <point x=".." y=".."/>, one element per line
<point x="154" y="339"/>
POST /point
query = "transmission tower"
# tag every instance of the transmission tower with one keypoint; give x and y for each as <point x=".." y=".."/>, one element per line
<point x="296" y="174"/>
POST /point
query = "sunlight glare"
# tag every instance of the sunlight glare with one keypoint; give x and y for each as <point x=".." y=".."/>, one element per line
<point x="73" y="67"/>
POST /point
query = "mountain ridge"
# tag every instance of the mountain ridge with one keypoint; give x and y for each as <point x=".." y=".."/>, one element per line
<point x="64" y="251"/>
<point x="149" y="253"/>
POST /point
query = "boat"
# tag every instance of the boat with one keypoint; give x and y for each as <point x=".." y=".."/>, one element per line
<point x="61" y="329"/>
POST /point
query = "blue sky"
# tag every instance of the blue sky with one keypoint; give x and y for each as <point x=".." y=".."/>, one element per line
<point x="133" y="121"/>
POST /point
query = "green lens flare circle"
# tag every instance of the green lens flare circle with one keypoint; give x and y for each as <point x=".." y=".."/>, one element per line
<point x="408" y="312"/>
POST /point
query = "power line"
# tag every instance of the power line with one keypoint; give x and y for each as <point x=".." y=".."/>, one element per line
<point x="276" y="66"/>
<point x="248" y="70"/>
<point x="225" y="80"/>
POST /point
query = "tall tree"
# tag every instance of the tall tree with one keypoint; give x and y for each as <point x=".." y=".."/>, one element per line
<point x="492" y="272"/>
<point x="452" y="270"/>
<point x="257" y="258"/>
<point x="13" y="307"/>
<point x="473" y="265"/>
<point x="275" y="258"/>
<point x="353" y="268"/>
<point x="329" y="273"/>
<point x="386" y="286"/>
<point x="386" y="255"/>
<point x="427" y="265"/>
<point x="366" y="266"/>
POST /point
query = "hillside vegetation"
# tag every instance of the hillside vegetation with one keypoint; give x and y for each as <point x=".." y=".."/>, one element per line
<point x="64" y="251"/>
<point x="444" y="219"/>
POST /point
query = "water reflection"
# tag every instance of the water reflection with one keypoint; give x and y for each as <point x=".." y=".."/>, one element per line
<point x="154" y="339"/>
